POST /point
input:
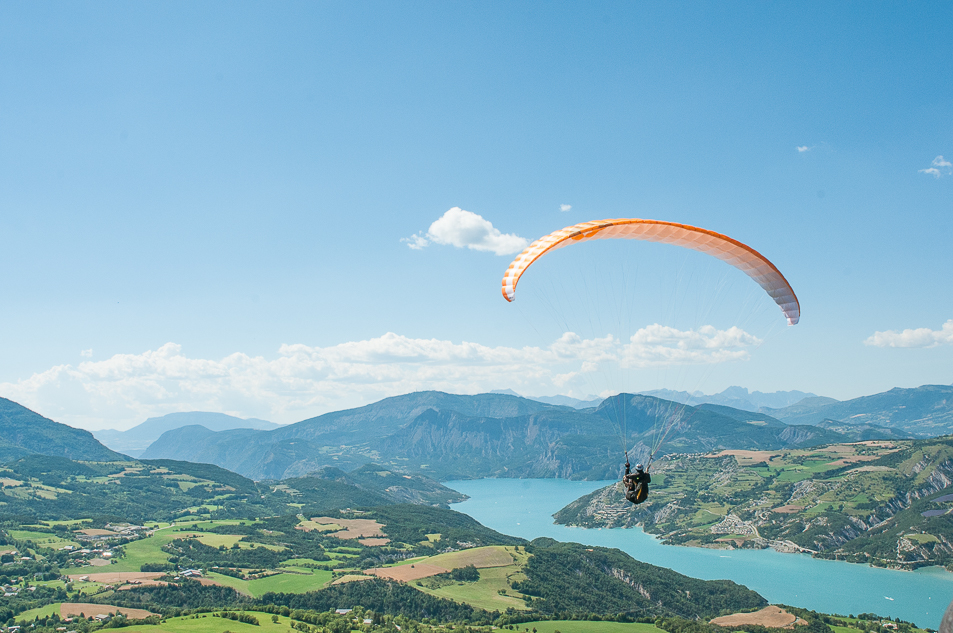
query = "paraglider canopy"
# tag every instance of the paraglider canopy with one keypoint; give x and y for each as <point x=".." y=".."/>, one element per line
<point x="729" y="250"/>
<point x="601" y="299"/>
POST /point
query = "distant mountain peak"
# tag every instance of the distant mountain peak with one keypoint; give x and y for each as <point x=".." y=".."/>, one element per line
<point x="137" y="439"/>
<point x="558" y="400"/>
<point x="735" y="397"/>
<point x="735" y="392"/>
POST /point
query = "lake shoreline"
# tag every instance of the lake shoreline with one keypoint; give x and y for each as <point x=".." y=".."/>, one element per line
<point x="524" y="508"/>
<point x="729" y="548"/>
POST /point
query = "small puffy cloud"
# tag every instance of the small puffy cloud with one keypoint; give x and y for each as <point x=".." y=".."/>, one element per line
<point x="302" y="381"/>
<point x="465" y="229"/>
<point x="416" y="242"/>
<point x="86" y="353"/>
<point x="920" y="337"/>
<point x="661" y="345"/>
<point x="939" y="167"/>
<point x="565" y="207"/>
<point x="803" y="148"/>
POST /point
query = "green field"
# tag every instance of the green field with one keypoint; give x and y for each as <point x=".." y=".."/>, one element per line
<point x="585" y="626"/>
<point x="308" y="580"/>
<point x="53" y="584"/>
<point x="149" y="550"/>
<point x="854" y="621"/>
<point x="216" y="540"/>
<point x="146" y="550"/>
<point x="42" y="539"/>
<point x="921" y="538"/>
<point x="484" y="593"/>
<point x="42" y="612"/>
<point x="230" y="540"/>
<point x="207" y="623"/>
<point x="304" y="562"/>
<point x="239" y="585"/>
<point x="290" y="583"/>
<point x="490" y="556"/>
<point x="87" y="589"/>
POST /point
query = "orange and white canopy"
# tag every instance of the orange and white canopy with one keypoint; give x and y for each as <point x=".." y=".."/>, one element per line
<point x="741" y="256"/>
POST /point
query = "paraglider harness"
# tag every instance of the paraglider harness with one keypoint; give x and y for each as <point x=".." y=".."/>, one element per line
<point x="636" y="485"/>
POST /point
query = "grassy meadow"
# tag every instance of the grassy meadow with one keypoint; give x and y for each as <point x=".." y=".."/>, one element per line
<point x="42" y="539"/>
<point x="498" y="565"/>
<point x="297" y="580"/>
<point x="207" y="623"/>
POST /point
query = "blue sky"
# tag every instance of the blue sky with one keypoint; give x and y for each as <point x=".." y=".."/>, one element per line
<point x="203" y="204"/>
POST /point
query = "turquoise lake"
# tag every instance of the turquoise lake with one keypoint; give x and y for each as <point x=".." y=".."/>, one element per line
<point x="524" y="508"/>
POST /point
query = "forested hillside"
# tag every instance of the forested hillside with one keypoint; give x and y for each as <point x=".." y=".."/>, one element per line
<point x="566" y="578"/>
<point x="23" y="432"/>
<point x="55" y="488"/>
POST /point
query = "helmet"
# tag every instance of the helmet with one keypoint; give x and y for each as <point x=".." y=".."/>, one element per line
<point x="638" y="466"/>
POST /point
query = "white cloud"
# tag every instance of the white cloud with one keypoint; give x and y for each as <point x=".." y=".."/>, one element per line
<point x="416" y="241"/>
<point x="658" y="344"/>
<point x="86" y="353"/>
<point x="565" y="207"/>
<point x="920" y="337"/>
<point x="804" y="148"/>
<point x="302" y="381"/>
<point x="940" y="167"/>
<point x="464" y="229"/>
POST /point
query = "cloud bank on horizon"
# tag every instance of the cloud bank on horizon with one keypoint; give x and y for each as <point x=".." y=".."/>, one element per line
<point x="920" y="337"/>
<point x="465" y="229"/>
<point x="303" y="381"/>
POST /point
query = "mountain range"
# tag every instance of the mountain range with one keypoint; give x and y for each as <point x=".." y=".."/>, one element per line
<point x="925" y="411"/>
<point x="735" y="397"/>
<point x="493" y="435"/>
<point x="447" y="436"/>
<point x="137" y="439"/>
